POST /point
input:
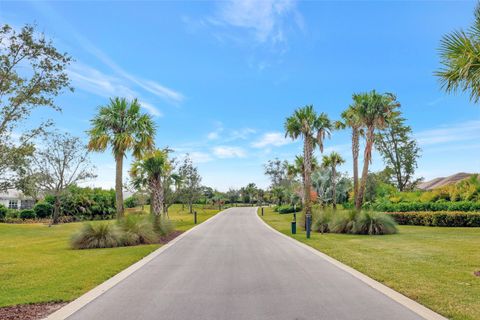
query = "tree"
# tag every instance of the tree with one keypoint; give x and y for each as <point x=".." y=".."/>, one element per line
<point x="151" y="171"/>
<point x="233" y="195"/>
<point x="313" y="129"/>
<point x="332" y="161"/>
<point x="32" y="74"/>
<point x="277" y="171"/>
<point x="191" y="188"/>
<point x="62" y="163"/>
<point x="460" y="60"/>
<point x="399" y="151"/>
<point x="121" y="126"/>
<point x="351" y="119"/>
<point x="374" y="110"/>
<point x="249" y="193"/>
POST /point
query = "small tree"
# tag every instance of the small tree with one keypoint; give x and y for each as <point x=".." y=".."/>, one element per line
<point x="332" y="161"/>
<point x="32" y="74"/>
<point x="191" y="179"/>
<point x="400" y="152"/>
<point x="62" y="163"/>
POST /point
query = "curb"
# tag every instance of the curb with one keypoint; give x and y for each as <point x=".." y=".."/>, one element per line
<point x="414" y="306"/>
<point x="96" y="292"/>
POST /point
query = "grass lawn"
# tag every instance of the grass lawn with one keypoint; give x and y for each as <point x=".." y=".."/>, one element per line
<point x="37" y="264"/>
<point x="431" y="265"/>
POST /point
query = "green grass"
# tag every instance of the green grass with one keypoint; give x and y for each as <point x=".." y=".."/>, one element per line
<point x="432" y="265"/>
<point x="38" y="265"/>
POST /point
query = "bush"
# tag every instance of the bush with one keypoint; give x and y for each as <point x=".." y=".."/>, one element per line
<point x="27" y="214"/>
<point x="322" y="219"/>
<point x="162" y="226"/>
<point x="137" y="230"/>
<point x="131" y="202"/>
<point x="440" y="205"/>
<point x="343" y="222"/>
<point x="96" y="235"/>
<point x="374" y="223"/>
<point x="12" y="214"/>
<point x="438" y="219"/>
<point x="43" y="210"/>
<point x="3" y="212"/>
<point x="287" y="209"/>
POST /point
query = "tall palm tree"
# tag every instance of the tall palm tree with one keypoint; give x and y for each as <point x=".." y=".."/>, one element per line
<point x="332" y="161"/>
<point x="298" y="168"/>
<point x="313" y="129"/>
<point x="374" y="110"/>
<point x="151" y="171"/>
<point x="121" y="126"/>
<point x="460" y="59"/>
<point x="351" y="119"/>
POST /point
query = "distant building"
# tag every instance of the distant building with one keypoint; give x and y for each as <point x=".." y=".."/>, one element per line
<point x="14" y="199"/>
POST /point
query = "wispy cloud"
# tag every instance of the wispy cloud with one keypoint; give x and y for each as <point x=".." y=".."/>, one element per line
<point x="271" y="139"/>
<point x="200" y="157"/>
<point x="265" y="19"/>
<point x="94" y="81"/>
<point x="465" y="131"/>
<point x="225" y="152"/>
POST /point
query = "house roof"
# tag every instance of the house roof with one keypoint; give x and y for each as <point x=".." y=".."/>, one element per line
<point x="12" y="194"/>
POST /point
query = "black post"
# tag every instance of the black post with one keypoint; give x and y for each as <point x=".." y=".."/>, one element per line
<point x="195" y="217"/>
<point x="262" y="211"/>
<point x="308" y="219"/>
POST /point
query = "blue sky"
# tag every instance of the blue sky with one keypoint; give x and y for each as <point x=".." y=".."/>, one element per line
<point x="220" y="78"/>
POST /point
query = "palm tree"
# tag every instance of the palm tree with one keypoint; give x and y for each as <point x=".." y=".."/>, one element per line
<point x="351" y="119"/>
<point x="313" y="129"/>
<point x="460" y="59"/>
<point x="120" y="126"/>
<point x="298" y="168"/>
<point x="332" y="161"/>
<point x="374" y="110"/>
<point x="151" y="171"/>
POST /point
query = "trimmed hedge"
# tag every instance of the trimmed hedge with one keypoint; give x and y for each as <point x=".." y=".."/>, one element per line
<point x="464" y="206"/>
<point x="287" y="209"/>
<point x="438" y="219"/>
<point x="43" y="210"/>
<point x="3" y="212"/>
<point x="27" y="214"/>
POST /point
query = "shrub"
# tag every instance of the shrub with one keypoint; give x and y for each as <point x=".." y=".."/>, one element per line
<point x="162" y="226"/>
<point x="96" y="235"/>
<point x="137" y="230"/>
<point x="438" y="219"/>
<point x="131" y="202"/>
<point x="374" y="223"/>
<point x="440" y="205"/>
<point x="343" y="222"/>
<point x="3" y="212"/>
<point x="287" y="209"/>
<point x="27" y="214"/>
<point x="43" y="210"/>
<point x="322" y="219"/>
<point x="12" y="214"/>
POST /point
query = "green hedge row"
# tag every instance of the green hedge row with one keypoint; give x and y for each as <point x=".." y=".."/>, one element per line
<point x="287" y="209"/>
<point x="427" y="206"/>
<point x="438" y="219"/>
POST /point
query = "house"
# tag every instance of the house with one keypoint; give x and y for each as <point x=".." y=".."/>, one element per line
<point x="14" y="199"/>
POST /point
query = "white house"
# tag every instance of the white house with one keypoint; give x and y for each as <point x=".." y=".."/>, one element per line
<point x="14" y="199"/>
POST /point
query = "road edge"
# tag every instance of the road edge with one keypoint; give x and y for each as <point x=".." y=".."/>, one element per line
<point x="96" y="292"/>
<point x="414" y="306"/>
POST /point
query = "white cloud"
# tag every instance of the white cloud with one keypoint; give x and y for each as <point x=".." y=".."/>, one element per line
<point x="94" y="81"/>
<point x="200" y="157"/>
<point x="225" y="152"/>
<point x="241" y="134"/>
<point x="264" y="18"/>
<point x="465" y="131"/>
<point x="271" y="139"/>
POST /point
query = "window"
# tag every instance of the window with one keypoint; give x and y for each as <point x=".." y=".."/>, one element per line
<point x="13" y="204"/>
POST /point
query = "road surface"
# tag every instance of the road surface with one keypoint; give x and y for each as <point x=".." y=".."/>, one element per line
<point x="234" y="267"/>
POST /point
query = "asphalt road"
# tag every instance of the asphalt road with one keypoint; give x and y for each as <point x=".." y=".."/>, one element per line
<point x="234" y="267"/>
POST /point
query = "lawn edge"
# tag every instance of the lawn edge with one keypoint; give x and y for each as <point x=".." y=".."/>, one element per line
<point x="414" y="306"/>
<point x="96" y="292"/>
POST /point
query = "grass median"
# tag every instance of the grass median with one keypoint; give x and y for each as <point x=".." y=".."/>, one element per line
<point x="38" y="265"/>
<point x="432" y="265"/>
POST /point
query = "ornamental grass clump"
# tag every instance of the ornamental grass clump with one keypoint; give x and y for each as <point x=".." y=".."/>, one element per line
<point x="374" y="223"/>
<point x="162" y="226"/>
<point x="343" y="222"/>
<point x="322" y="220"/>
<point x="97" y="235"/>
<point x="136" y="230"/>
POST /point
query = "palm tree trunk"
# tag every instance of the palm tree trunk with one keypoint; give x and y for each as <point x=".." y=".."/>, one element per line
<point x="119" y="185"/>
<point x="157" y="197"/>
<point x="334" y="185"/>
<point x="366" y="161"/>
<point x="355" y="151"/>
<point x="307" y="164"/>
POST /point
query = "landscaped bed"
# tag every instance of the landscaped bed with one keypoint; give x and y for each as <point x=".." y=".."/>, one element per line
<point x="38" y="265"/>
<point x="432" y="265"/>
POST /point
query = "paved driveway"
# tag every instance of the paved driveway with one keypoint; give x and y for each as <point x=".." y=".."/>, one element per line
<point x="234" y="267"/>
